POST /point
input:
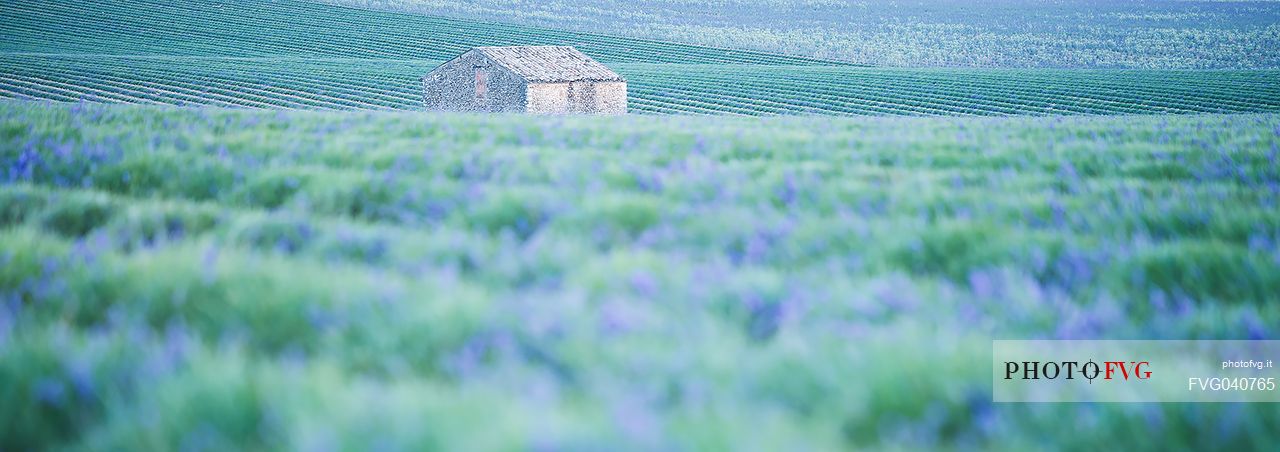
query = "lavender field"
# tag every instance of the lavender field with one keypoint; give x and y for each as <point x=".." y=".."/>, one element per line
<point x="217" y="279"/>
<point x="235" y="225"/>
<point x="297" y="54"/>
<point x="1150" y="34"/>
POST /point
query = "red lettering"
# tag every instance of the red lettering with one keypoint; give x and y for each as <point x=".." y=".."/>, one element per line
<point x="1137" y="371"/>
<point x="1124" y="372"/>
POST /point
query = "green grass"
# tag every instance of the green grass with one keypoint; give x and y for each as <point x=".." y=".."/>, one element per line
<point x="230" y="279"/>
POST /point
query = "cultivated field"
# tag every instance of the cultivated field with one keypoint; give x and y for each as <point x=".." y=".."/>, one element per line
<point x="308" y="29"/>
<point x="204" y="278"/>
<point x="1159" y="34"/>
<point x="292" y="54"/>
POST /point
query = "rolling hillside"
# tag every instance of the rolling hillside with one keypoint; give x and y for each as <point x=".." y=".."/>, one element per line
<point x="1076" y="34"/>
<point x="293" y="54"/>
<point x="257" y="28"/>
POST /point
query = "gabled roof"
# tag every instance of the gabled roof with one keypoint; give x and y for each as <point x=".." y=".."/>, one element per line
<point x="550" y="63"/>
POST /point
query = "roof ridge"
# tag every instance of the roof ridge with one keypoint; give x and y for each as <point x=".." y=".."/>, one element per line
<point x="548" y="63"/>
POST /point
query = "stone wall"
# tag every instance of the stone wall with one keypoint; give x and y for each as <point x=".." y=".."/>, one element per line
<point x="548" y="98"/>
<point x="452" y="86"/>
<point x="608" y="98"/>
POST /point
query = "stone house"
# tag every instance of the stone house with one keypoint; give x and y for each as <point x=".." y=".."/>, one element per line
<point x="526" y="79"/>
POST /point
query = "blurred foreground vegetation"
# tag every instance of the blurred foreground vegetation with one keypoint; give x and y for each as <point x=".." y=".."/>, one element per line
<point x="207" y="279"/>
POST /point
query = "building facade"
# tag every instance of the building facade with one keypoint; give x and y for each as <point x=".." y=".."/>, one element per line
<point x="525" y="79"/>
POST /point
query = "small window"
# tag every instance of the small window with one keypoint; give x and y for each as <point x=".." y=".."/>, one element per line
<point x="482" y="83"/>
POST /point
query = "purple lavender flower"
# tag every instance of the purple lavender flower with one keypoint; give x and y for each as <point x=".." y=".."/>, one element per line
<point x="981" y="283"/>
<point x="209" y="264"/>
<point x="80" y="373"/>
<point x="50" y="391"/>
<point x="637" y="421"/>
<point x="1254" y="327"/>
<point x="787" y="192"/>
<point x="643" y="284"/>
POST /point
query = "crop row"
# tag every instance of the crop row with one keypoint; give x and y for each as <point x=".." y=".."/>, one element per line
<point x="697" y="89"/>
<point x="298" y="28"/>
